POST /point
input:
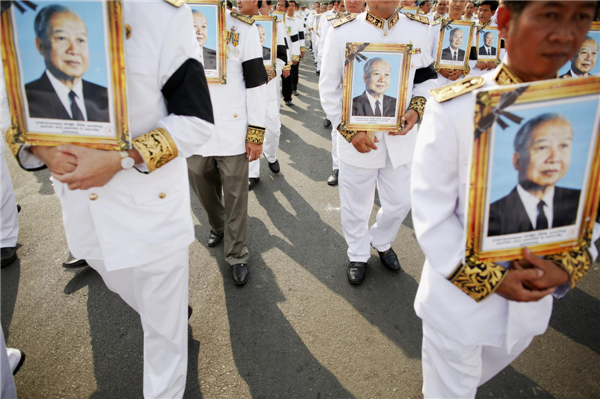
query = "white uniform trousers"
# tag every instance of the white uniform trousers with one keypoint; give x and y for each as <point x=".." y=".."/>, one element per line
<point x="9" y="220"/>
<point x="453" y="370"/>
<point x="335" y="156"/>
<point x="158" y="291"/>
<point x="7" y="383"/>
<point x="272" y="132"/>
<point x="357" y="194"/>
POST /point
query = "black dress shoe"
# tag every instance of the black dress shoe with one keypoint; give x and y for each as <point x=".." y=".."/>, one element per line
<point x="190" y="311"/>
<point x="75" y="264"/>
<point x="18" y="208"/>
<point x="333" y="179"/>
<point x="274" y="166"/>
<point x="289" y="103"/>
<point x="326" y="123"/>
<point x="21" y="361"/>
<point x="318" y="72"/>
<point x="295" y="92"/>
<point x="9" y="254"/>
<point x="356" y="272"/>
<point x="390" y="260"/>
<point x="240" y="273"/>
<point x="252" y="182"/>
<point x="214" y="239"/>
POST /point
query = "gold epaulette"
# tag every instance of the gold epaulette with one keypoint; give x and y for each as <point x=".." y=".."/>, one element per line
<point x="418" y="18"/>
<point x="176" y="3"/>
<point x="157" y="148"/>
<point x="331" y="17"/>
<point x="255" y="134"/>
<point x="242" y="18"/>
<point x="456" y="89"/>
<point x="478" y="281"/>
<point x="344" y="20"/>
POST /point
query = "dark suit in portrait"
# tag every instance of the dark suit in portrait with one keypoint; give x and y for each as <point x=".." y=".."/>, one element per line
<point x="483" y="51"/>
<point x="362" y="107"/>
<point x="508" y="215"/>
<point x="447" y="54"/>
<point x="210" y="58"/>
<point x="45" y="103"/>
<point x="266" y="53"/>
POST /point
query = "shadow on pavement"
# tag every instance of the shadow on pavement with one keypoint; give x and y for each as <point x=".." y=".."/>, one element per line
<point x="11" y="275"/>
<point x="510" y="384"/>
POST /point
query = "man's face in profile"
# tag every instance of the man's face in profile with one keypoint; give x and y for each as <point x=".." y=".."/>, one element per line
<point x="588" y="54"/>
<point x="489" y="39"/>
<point x="548" y="154"/>
<point x="281" y="6"/>
<point x="456" y="40"/>
<point x="378" y="81"/>
<point x="67" y="54"/>
<point x="201" y="29"/>
<point x="262" y="34"/>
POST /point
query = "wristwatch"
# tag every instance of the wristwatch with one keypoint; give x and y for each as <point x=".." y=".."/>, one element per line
<point x="127" y="162"/>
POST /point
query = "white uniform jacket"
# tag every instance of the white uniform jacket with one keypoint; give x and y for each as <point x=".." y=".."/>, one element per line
<point x="439" y="196"/>
<point x="292" y="26"/>
<point x="138" y="217"/>
<point x="401" y="30"/>
<point x="239" y="105"/>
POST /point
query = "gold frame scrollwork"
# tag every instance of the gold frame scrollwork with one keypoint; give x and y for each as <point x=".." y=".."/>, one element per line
<point x="19" y="132"/>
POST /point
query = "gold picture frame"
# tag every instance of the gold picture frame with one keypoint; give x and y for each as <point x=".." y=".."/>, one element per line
<point x="447" y="27"/>
<point x="482" y="33"/>
<point x="498" y="226"/>
<point x="38" y="115"/>
<point x="356" y="117"/>
<point x="271" y="22"/>
<point x="416" y="10"/>
<point x="280" y="15"/>
<point x="215" y="60"/>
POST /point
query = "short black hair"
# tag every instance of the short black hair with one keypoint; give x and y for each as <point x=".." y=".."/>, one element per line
<point x="494" y="4"/>
<point x="287" y="3"/>
<point x="229" y="4"/>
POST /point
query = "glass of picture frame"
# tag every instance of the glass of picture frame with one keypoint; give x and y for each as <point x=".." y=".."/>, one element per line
<point x="57" y="96"/>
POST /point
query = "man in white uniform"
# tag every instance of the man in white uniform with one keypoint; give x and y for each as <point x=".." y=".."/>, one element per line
<point x="477" y="320"/>
<point x="133" y="224"/>
<point x="385" y="163"/>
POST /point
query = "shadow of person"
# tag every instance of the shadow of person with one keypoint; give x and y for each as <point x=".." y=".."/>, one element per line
<point x="117" y="341"/>
<point x="268" y="352"/>
<point x="9" y="284"/>
<point x="510" y="384"/>
<point x="385" y="299"/>
<point x="43" y="178"/>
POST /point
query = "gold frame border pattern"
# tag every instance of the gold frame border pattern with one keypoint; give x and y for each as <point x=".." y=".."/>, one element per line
<point x="283" y="16"/>
<point x="221" y="53"/>
<point x="18" y="133"/>
<point x="351" y="50"/>
<point x="438" y="59"/>
<point x="486" y="100"/>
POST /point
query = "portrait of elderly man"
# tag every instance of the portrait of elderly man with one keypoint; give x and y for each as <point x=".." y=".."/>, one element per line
<point x="262" y="33"/>
<point x="453" y="52"/>
<point x="542" y="157"/>
<point x="584" y="61"/>
<point x="488" y="47"/>
<point x="374" y="102"/>
<point x="201" y="28"/>
<point x="61" y="92"/>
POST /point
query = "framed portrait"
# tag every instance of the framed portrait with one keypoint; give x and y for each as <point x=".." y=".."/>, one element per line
<point x="209" y="25"/>
<point x="585" y="62"/>
<point x="488" y="44"/>
<point x="535" y="169"/>
<point x="454" y="45"/>
<point x="375" y="81"/>
<point x="64" y="69"/>
<point x="280" y="15"/>
<point x="410" y="10"/>
<point x="267" y="31"/>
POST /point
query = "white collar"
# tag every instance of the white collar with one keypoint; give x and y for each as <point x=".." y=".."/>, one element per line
<point x="372" y="102"/>
<point x="63" y="91"/>
<point x="530" y="202"/>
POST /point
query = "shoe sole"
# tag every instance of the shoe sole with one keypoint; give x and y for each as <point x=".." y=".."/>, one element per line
<point x="20" y="363"/>
<point x="356" y="282"/>
<point x="332" y="184"/>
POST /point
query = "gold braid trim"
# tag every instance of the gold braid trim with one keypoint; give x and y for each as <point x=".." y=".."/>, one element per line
<point x="576" y="263"/>
<point x="287" y="67"/>
<point x="10" y="140"/>
<point x="303" y="49"/>
<point x="255" y="134"/>
<point x="295" y="58"/>
<point x="418" y="104"/>
<point x="272" y="74"/>
<point x="348" y="134"/>
<point x="478" y="280"/>
<point x="157" y="148"/>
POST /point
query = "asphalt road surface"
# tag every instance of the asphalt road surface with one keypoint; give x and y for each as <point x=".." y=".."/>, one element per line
<point x="296" y="330"/>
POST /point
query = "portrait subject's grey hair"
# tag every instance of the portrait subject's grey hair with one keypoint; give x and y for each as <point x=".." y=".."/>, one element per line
<point x="42" y="20"/>
<point x="453" y="31"/>
<point x="369" y="65"/>
<point x="196" y="12"/>
<point x="487" y="33"/>
<point x="522" y="138"/>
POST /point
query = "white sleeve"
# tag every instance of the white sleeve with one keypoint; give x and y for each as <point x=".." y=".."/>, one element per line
<point x="331" y="78"/>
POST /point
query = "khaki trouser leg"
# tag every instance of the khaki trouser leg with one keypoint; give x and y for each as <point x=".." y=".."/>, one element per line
<point x="205" y="180"/>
